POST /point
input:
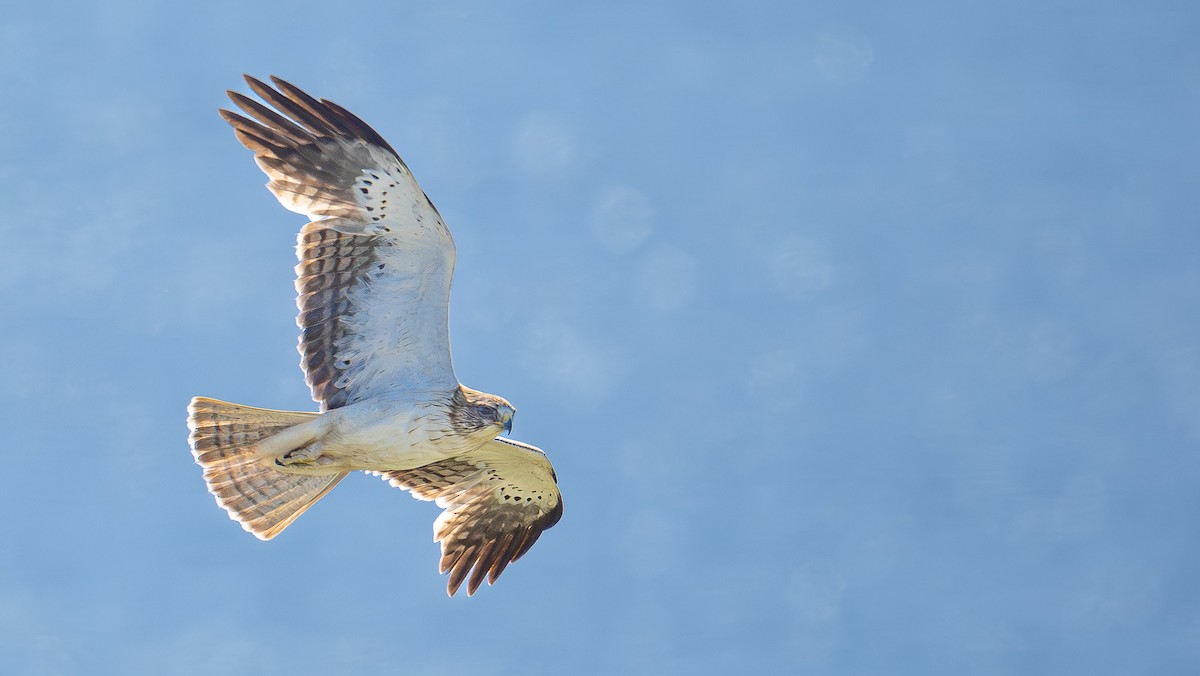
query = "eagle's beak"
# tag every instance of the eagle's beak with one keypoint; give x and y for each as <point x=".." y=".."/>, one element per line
<point x="508" y="425"/>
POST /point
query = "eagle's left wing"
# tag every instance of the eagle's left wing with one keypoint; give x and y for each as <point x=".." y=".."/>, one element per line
<point x="497" y="499"/>
<point x="373" y="283"/>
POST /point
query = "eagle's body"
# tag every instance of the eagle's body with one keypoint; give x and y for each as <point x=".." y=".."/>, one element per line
<point x="373" y="290"/>
<point x="401" y="431"/>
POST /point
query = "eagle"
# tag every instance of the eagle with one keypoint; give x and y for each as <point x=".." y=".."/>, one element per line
<point x="373" y="292"/>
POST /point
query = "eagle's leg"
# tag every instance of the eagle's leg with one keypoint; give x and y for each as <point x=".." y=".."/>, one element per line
<point x="308" y="455"/>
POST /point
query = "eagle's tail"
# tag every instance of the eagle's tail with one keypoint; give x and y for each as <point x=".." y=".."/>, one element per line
<point x="261" y="498"/>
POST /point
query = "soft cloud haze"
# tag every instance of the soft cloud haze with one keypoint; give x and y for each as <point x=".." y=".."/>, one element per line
<point x="863" y="336"/>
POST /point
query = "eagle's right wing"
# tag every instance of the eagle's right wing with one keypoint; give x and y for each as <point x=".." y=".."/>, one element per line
<point x="497" y="499"/>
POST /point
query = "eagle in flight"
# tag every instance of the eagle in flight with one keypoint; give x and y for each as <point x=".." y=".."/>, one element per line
<point x="373" y="290"/>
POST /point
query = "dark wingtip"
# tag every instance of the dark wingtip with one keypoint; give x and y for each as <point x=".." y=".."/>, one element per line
<point x="555" y="515"/>
<point x="258" y="87"/>
<point x="458" y="572"/>
<point x="280" y="82"/>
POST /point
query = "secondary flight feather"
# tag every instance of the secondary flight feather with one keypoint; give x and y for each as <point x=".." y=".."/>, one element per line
<point x="373" y="292"/>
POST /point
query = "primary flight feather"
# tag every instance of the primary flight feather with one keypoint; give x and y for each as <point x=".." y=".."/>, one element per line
<point x="373" y="291"/>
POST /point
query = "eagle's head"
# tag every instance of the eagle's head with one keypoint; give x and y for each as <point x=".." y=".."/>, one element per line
<point x="473" y="412"/>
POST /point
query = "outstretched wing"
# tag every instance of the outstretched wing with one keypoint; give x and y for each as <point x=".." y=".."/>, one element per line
<point x="376" y="261"/>
<point x="497" y="501"/>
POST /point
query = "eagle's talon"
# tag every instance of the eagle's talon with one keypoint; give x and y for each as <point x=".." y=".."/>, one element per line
<point x="309" y="454"/>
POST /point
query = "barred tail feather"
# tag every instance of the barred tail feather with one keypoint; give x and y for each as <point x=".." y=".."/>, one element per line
<point x="223" y="440"/>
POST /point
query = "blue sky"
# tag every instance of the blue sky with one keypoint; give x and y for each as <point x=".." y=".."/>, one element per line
<point x="863" y="337"/>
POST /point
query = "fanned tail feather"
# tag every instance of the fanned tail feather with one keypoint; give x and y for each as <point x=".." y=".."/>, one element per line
<point x="261" y="498"/>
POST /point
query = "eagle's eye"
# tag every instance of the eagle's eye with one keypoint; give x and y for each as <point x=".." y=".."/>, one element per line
<point x="486" y="412"/>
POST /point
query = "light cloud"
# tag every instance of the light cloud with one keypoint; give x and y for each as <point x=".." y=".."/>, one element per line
<point x="649" y="544"/>
<point x="1078" y="510"/>
<point x="930" y="154"/>
<point x="622" y="218"/>
<point x="1050" y="352"/>
<point x="843" y="54"/>
<point x="666" y="279"/>
<point x="774" y="378"/>
<point x="814" y="590"/>
<point x="1179" y="370"/>
<point x="542" y="145"/>
<point x="802" y="269"/>
<point x="578" y="365"/>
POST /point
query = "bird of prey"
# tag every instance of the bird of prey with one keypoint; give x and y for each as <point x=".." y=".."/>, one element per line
<point x="373" y="290"/>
